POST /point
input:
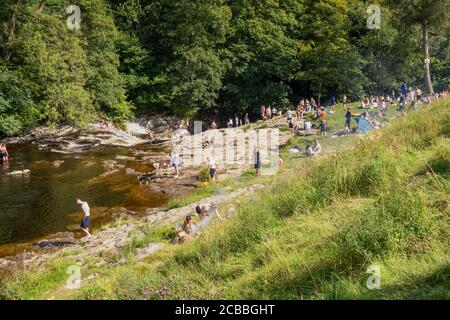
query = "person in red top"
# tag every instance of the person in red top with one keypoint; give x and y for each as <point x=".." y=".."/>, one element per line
<point x="323" y="114"/>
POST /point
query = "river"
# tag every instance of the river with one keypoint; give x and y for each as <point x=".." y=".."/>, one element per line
<point x="42" y="203"/>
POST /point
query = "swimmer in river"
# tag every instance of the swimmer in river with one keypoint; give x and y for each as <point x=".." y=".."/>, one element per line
<point x="86" y="222"/>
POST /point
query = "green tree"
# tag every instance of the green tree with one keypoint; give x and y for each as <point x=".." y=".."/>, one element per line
<point x="262" y="54"/>
<point x="53" y="60"/>
<point x="17" y="108"/>
<point x="433" y="17"/>
<point x="331" y="64"/>
<point x="184" y="38"/>
<point x="104" y="82"/>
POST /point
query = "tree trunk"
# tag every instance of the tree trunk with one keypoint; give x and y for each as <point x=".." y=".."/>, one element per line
<point x="426" y="49"/>
<point x="11" y="30"/>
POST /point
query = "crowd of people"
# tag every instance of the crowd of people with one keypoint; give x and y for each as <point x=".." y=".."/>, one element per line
<point x="234" y="123"/>
<point x="406" y="98"/>
<point x="307" y="111"/>
<point x="300" y="119"/>
<point x="305" y="116"/>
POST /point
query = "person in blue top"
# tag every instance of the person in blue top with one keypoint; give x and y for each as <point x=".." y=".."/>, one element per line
<point x="332" y="101"/>
<point x="404" y="89"/>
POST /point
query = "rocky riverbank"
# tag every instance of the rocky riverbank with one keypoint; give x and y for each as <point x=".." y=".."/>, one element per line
<point x="69" y="139"/>
<point x="105" y="243"/>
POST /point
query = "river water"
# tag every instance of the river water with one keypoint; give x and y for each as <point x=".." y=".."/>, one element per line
<point x="42" y="203"/>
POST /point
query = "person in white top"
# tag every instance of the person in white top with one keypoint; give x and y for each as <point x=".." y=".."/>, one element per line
<point x="289" y="114"/>
<point x="212" y="168"/>
<point x="86" y="222"/>
<point x="176" y="162"/>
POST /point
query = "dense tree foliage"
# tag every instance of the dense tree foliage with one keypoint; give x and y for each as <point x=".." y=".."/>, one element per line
<point x="200" y="57"/>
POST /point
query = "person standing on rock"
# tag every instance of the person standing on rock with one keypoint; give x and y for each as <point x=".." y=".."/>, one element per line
<point x="246" y="119"/>
<point x="86" y="222"/>
<point x="176" y="162"/>
<point x="348" y="120"/>
<point x="212" y="168"/>
<point x="263" y="113"/>
<point x="269" y="112"/>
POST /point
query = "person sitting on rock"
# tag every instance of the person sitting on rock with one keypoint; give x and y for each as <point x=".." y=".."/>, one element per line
<point x="205" y="209"/>
<point x="307" y="126"/>
<point x="104" y="125"/>
<point x="185" y="230"/>
<point x="316" y="148"/>
<point x="313" y="150"/>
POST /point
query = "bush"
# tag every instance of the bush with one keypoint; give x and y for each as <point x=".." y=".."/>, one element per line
<point x="10" y="125"/>
<point x="204" y="175"/>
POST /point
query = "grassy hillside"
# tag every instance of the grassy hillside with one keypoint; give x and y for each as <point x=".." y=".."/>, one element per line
<point x="381" y="200"/>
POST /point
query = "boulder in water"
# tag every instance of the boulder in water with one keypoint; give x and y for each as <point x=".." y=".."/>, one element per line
<point x="20" y="172"/>
<point x="43" y="244"/>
